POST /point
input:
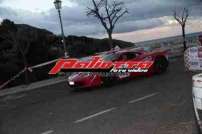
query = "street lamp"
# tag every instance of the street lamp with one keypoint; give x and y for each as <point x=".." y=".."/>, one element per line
<point x="58" y="6"/>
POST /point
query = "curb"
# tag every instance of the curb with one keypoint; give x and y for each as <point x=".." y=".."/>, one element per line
<point x="32" y="86"/>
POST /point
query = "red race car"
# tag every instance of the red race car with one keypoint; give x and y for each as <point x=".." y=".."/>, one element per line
<point x="92" y="79"/>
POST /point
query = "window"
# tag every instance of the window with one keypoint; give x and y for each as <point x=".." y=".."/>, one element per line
<point x="129" y="55"/>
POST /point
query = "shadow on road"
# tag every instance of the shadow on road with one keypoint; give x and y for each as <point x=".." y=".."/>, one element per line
<point x="1" y="128"/>
<point x="112" y="84"/>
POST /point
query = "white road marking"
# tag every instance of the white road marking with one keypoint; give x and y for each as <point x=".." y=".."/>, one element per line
<point x="94" y="115"/>
<point x="14" y="97"/>
<point x="48" y="132"/>
<point x="143" y="98"/>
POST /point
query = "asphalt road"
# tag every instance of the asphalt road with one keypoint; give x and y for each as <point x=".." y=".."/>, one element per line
<point x="161" y="104"/>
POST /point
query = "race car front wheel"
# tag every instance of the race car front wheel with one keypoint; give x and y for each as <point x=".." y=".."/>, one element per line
<point x="109" y="81"/>
<point x="160" y="65"/>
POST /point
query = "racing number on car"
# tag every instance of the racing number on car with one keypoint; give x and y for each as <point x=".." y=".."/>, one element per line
<point x="124" y="74"/>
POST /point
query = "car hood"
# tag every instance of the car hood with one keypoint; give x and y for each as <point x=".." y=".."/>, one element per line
<point x="79" y="76"/>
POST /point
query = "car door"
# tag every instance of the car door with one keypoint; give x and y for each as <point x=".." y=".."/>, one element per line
<point x="134" y="56"/>
<point x="127" y="56"/>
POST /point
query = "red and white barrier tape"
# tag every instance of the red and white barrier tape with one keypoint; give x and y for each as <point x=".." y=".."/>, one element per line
<point x="43" y="64"/>
<point x="30" y="69"/>
<point x="12" y="79"/>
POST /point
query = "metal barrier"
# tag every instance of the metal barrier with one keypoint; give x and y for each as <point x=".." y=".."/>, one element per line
<point x="197" y="97"/>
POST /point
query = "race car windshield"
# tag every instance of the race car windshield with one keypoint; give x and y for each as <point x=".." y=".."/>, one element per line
<point x="86" y="59"/>
<point x="109" y="57"/>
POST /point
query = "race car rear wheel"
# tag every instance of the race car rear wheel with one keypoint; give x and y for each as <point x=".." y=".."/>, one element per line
<point x="160" y="65"/>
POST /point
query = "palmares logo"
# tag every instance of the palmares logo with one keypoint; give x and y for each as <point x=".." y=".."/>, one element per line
<point x="97" y="64"/>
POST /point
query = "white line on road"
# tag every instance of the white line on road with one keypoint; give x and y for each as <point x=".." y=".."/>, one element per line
<point x="48" y="132"/>
<point x="14" y="97"/>
<point x="94" y="115"/>
<point x="143" y="98"/>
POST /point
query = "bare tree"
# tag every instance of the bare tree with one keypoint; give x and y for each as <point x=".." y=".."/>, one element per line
<point x="182" y="19"/>
<point x="109" y="13"/>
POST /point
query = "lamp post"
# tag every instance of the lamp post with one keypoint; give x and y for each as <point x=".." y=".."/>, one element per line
<point x="58" y="6"/>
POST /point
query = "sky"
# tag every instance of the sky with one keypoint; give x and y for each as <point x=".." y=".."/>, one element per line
<point x="146" y="18"/>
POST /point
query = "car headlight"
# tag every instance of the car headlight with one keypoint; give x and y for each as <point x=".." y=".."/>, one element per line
<point x="71" y="83"/>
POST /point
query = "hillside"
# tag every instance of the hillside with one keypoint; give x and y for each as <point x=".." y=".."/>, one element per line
<point x="82" y="46"/>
